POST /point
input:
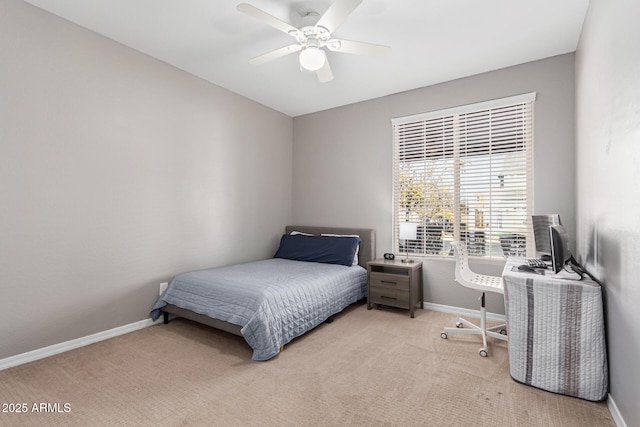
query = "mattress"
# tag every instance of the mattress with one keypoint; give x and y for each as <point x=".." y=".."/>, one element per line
<point x="556" y="333"/>
<point x="273" y="301"/>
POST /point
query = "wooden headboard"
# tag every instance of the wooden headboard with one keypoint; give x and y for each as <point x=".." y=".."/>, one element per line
<point x="367" y="235"/>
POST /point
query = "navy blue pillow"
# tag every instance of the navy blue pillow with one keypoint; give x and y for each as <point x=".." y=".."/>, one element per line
<point x="327" y="249"/>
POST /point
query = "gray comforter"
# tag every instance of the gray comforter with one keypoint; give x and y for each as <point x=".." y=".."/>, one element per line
<point x="273" y="300"/>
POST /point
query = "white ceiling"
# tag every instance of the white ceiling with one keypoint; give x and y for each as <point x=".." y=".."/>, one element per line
<point x="432" y="41"/>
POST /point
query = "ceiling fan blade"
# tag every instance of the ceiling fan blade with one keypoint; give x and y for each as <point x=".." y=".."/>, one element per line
<point x="337" y="13"/>
<point x="324" y="74"/>
<point x="269" y="56"/>
<point x="358" y="48"/>
<point x="266" y="18"/>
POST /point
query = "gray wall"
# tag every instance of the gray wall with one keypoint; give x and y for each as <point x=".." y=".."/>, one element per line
<point x="118" y="171"/>
<point x="342" y="160"/>
<point x="607" y="176"/>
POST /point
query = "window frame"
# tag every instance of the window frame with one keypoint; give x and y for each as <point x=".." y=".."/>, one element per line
<point x="455" y="137"/>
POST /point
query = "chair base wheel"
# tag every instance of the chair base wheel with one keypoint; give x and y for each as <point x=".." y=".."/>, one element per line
<point x="444" y="335"/>
<point x="483" y="352"/>
<point x="459" y="325"/>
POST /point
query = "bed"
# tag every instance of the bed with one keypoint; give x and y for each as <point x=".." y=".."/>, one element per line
<point x="270" y="302"/>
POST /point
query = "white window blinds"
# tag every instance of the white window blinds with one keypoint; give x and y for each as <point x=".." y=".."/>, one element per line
<point x="465" y="173"/>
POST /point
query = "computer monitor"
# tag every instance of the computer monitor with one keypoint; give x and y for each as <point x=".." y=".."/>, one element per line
<point x="541" y="224"/>
<point x="560" y="252"/>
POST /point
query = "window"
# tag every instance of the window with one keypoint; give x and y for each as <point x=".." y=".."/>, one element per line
<point x="465" y="173"/>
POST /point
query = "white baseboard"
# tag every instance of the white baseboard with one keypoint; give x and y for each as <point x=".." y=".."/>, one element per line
<point x="41" y="353"/>
<point x="615" y="413"/>
<point x="464" y="312"/>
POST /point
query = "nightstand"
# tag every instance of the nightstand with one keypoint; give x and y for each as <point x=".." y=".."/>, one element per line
<point x="395" y="284"/>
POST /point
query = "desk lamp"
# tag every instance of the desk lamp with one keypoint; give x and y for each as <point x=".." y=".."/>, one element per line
<point x="408" y="231"/>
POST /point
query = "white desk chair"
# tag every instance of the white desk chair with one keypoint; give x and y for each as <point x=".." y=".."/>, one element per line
<point x="481" y="283"/>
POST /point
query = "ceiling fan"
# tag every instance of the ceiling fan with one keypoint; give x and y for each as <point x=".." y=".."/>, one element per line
<point x="312" y="38"/>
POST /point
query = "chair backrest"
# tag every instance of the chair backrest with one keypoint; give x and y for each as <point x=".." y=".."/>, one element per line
<point x="464" y="275"/>
<point x="472" y="280"/>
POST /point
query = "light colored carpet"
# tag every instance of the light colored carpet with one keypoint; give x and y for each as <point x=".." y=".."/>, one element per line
<point x="368" y="368"/>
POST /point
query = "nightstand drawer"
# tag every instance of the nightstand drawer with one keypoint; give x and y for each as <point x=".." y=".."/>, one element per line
<point x="390" y="281"/>
<point x="390" y="297"/>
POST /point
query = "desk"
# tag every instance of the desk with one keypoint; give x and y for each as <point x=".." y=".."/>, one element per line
<point x="556" y="332"/>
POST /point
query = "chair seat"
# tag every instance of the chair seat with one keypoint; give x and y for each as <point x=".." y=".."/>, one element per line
<point x="484" y="283"/>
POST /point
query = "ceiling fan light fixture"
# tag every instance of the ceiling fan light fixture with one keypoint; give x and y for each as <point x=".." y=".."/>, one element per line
<point x="313" y="34"/>
<point x="312" y="58"/>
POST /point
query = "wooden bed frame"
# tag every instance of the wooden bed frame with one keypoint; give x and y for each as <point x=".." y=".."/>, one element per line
<point x="367" y="253"/>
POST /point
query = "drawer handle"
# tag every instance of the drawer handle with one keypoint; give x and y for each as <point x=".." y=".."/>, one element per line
<point x="386" y="297"/>
<point x="388" y="282"/>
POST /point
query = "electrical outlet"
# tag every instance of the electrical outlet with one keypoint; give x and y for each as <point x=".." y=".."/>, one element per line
<point x="163" y="287"/>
